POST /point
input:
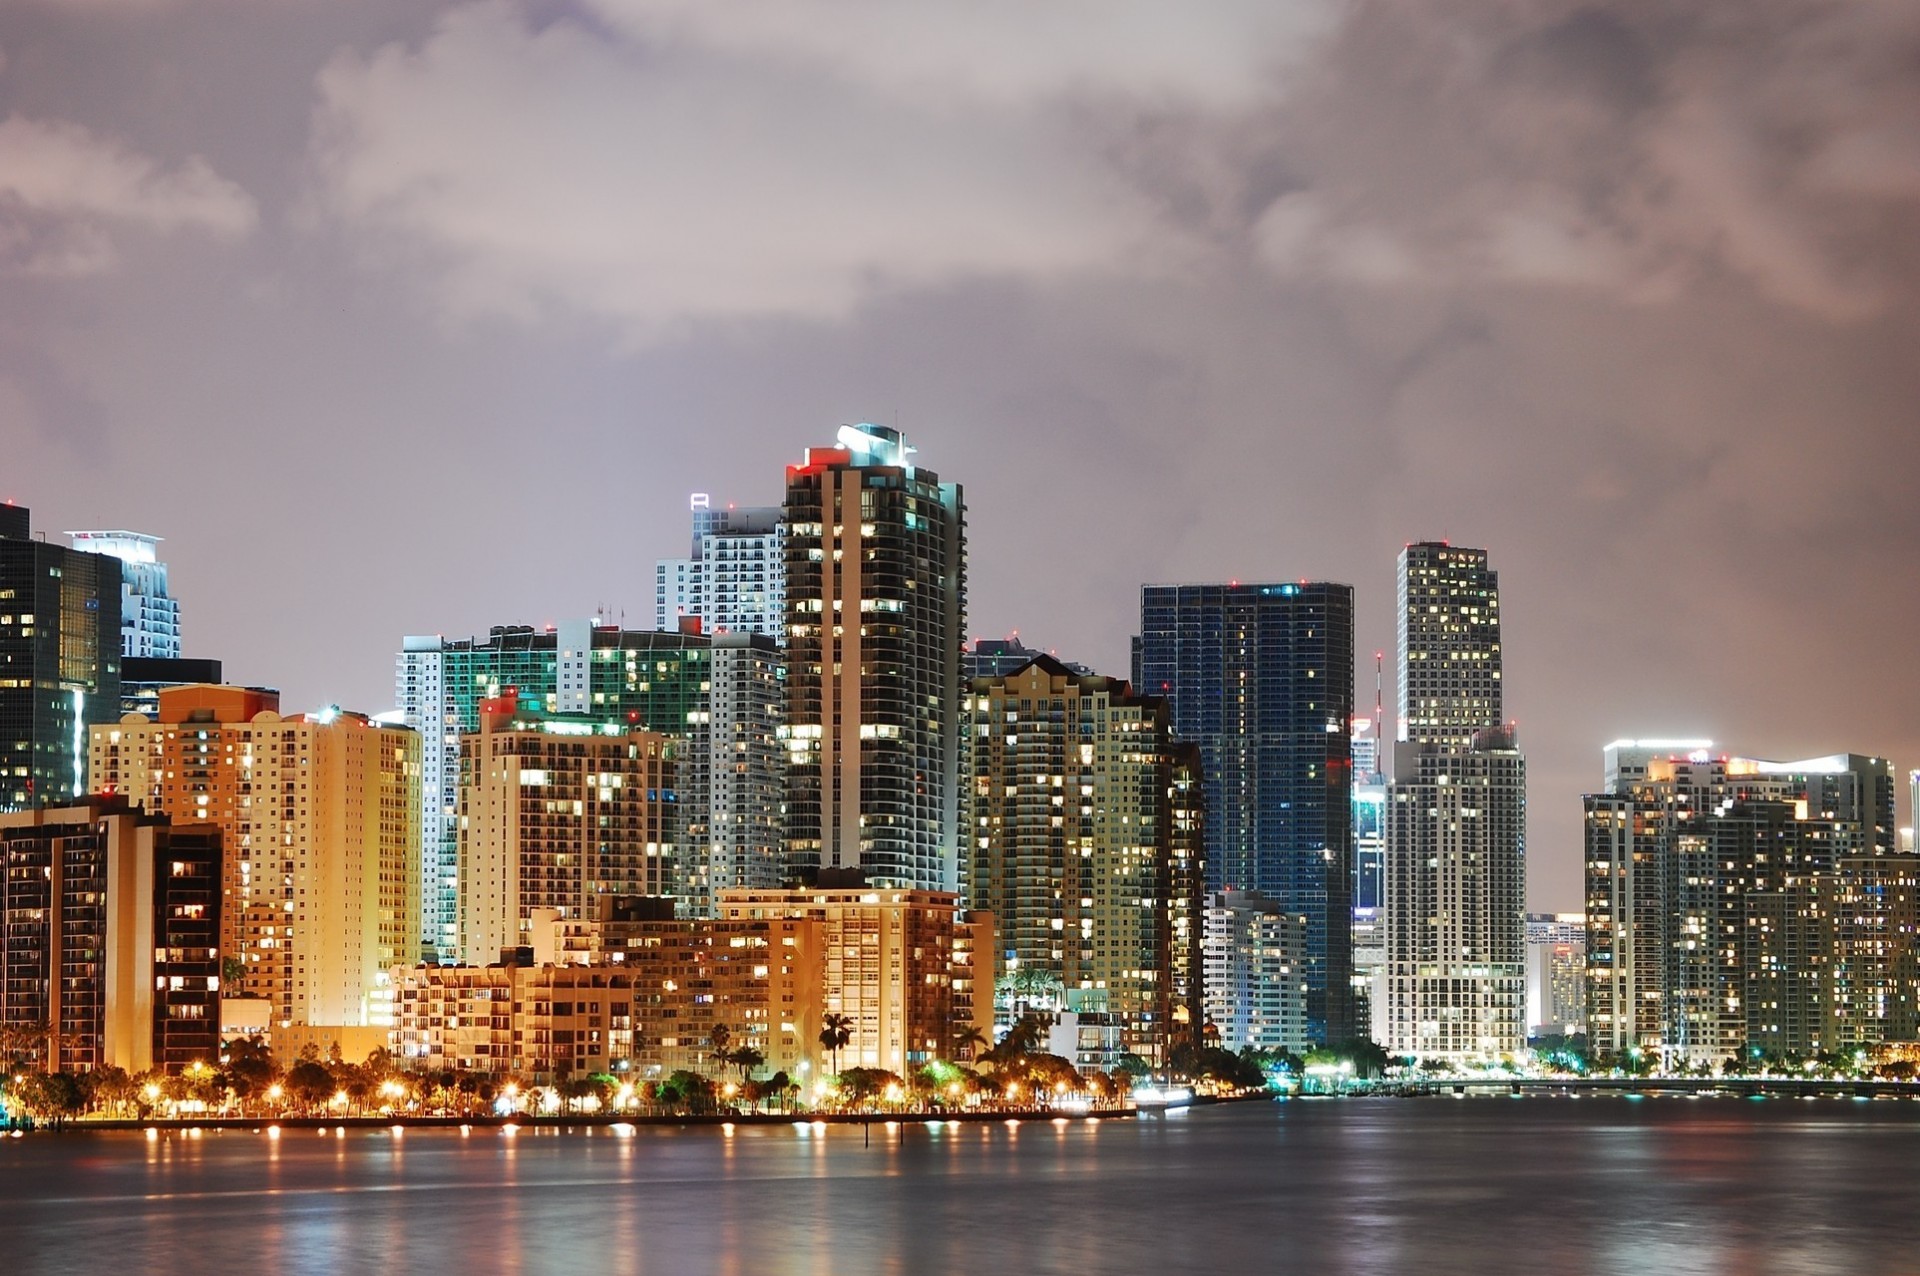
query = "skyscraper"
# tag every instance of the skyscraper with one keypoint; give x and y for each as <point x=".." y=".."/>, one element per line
<point x="149" y="614"/>
<point x="1455" y="881"/>
<point x="1449" y="611"/>
<point x="1082" y="847"/>
<point x="558" y="814"/>
<point x="876" y="605"/>
<point x="319" y="815"/>
<point x="109" y="936"/>
<point x="59" y="662"/>
<point x="1260" y="677"/>
<point x="678" y="684"/>
<point x="734" y="581"/>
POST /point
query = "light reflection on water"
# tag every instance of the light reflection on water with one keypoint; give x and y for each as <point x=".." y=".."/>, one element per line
<point x="1378" y="1186"/>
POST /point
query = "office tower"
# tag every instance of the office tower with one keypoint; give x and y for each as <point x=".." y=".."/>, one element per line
<point x="142" y="678"/>
<point x="1738" y="907"/>
<point x="59" y="662"/>
<point x="111" y="936"/>
<point x="997" y="657"/>
<point x="319" y="815"/>
<point x="876" y="604"/>
<point x="149" y="615"/>
<point x="1255" y="982"/>
<point x="1449" y="612"/>
<point x="665" y="682"/>
<point x="734" y="581"/>
<point x="1080" y="846"/>
<point x="556" y="813"/>
<point x="1260" y="677"/>
<point x="1556" y="974"/>
<point x="893" y="959"/>
<point x="1455" y="880"/>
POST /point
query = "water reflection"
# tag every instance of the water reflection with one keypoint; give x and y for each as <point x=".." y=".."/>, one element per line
<point x="1593" y="1188"/>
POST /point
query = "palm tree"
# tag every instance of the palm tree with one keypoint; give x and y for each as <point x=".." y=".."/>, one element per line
<point x="747" y="1058"/>
<point x="717" y="1038"/>
<point x="836" y="1031"/>
<point x="969" y="1041"/>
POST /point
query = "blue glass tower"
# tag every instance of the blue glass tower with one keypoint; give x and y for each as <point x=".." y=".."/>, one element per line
<point x="1260" y="677"/>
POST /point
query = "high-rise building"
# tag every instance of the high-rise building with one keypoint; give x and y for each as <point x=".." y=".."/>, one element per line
<point x="678" y="684"/>
<point x="111" y="936"/>
<point x="149" y="614"/>
<point x="1255" y="972"/>
<point x="734" y="581"/>
<point x="320" y="821"/>
<point x="1449" y="623"/>
<point x="142" y="678"/>
<point x="1455" y="879"/>
<point x="1260" y="677"/>
<point x="1556" y="973"/>
<point x="892" y="962"/>
<point x="1737" y="906"/>
<point x="1456" y="902"/>
<point x="1081" y="846"/>
<point x="876" y="604"/>
<point x="59" y="662"/>
<point x="557" y="813"/>
<point x="998" y="657"/>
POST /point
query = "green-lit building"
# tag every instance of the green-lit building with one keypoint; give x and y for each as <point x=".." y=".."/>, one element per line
<point x="663" y="682"/>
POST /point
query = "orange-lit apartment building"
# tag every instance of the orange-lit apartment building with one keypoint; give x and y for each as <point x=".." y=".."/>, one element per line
<point x="320" y="820"/>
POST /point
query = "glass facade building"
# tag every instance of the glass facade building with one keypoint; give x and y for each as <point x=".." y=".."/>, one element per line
<point x="1260" y="677"/>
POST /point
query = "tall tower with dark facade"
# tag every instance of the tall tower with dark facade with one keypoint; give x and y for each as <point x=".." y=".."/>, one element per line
<point x="876" y="621"/>
<point x="1260" y="677"/>
<point x="59" y="662"/>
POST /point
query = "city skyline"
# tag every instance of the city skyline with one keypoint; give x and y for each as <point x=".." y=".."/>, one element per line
<point x="1624" y="294"/>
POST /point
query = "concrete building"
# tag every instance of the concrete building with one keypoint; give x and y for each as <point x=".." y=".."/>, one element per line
<point x="1738" y="906"/>
<point x="59" y="662"/>
<point x="1260" y="677"/>
<point x="320" y="819"/>
<point x="557" y="812"/>
<point x="1082" y="845"/>
<point x="143" y="678"/>
<point x="1556" y="974"/>
<point x="876" y="601"/>
<point x="1449" y="645"/>
<point x="149" y="614"/>
<point x="734" y="581"/>
<point x="723" y="695"/>
<point x="998" y="657"/>
<point x="892" y="961"/>
<point x="1455" y="877"/>
<point x="111" y="924"/>
<point x="1255" y="956"/>
<point x="1456" y="901"/>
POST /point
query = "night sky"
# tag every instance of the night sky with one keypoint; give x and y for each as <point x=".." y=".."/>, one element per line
<point x="396" y="316"/>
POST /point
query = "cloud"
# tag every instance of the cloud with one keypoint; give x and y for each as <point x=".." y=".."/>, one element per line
<point x="1639" y="152"/>
<point x="65" y="192"/>
<point x="681" y="162"/>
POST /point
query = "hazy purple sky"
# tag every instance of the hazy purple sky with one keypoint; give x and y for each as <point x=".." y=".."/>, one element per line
<point x="408" y="316"/>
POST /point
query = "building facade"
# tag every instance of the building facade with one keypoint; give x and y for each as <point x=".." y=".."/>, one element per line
<point x="59" y="662"/>
<point x="676" y="684"/>
<point x="1455" y="875"/>
<point x="1260" y="678"/>
<point x="1079" y="847"/>
<point x="1255" y="972"/>
<point x="1739" y="908"/>
<point x="111" y="933"/>
<point x="1556" y="974"/>
<point x="876" y="604"/>
<point x="319" y="815"/>
<point x="556" y="813"/>
<point x="893" y="960"/>
<point x="149" y="614"/>
<point x="734" y="580"/>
